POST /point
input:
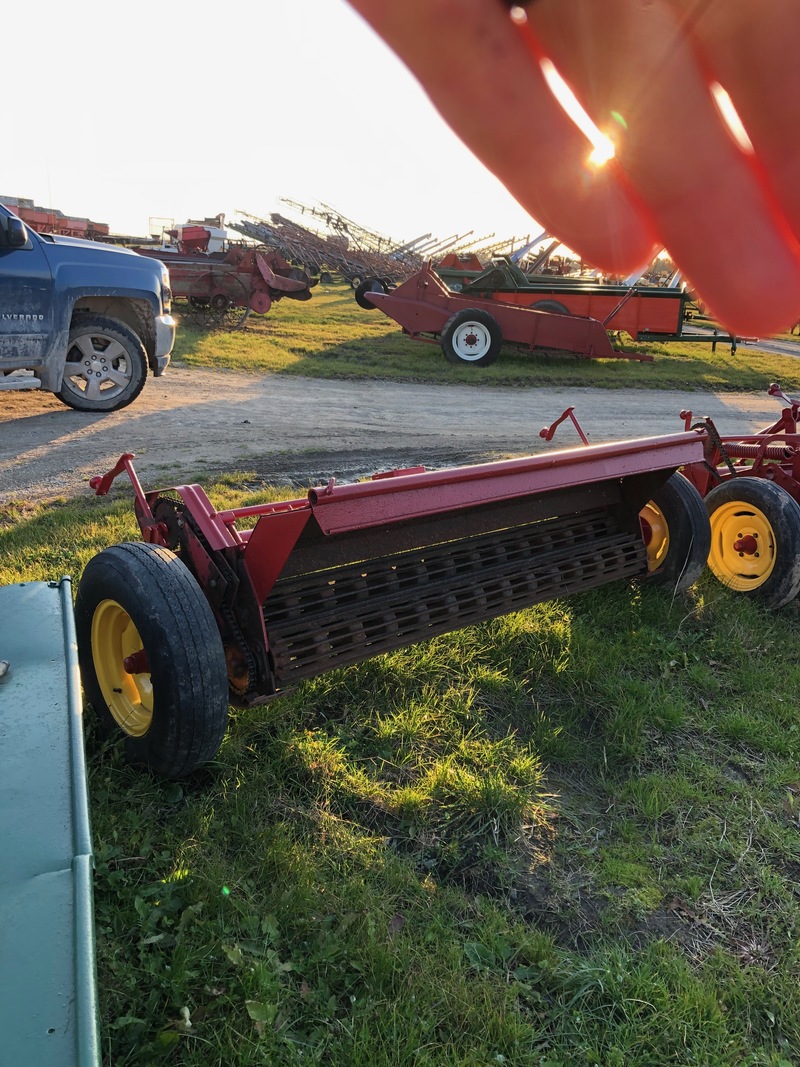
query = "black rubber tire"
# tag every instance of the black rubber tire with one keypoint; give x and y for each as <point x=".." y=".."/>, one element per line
<point x="683" y="513"/>
<point x="453" y="342"/>
<point x="553" y="306"/>
<point x="127" y="359"/>
<point x="369" y="285"/>
<point x="184" y="652"/>
<point x="762" y="503"/>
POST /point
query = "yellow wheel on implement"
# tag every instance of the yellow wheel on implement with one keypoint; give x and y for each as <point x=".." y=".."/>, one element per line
<point x="656" y="534"/>
<point x="676" y="534"/>
<point x="743" y="546"/>
<point x="151" y="658"/>
<point x="127" y="691"/>
<point x="755" y="539"/>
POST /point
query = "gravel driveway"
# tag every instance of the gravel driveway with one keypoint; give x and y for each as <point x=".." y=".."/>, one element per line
<point x="192" y="424"/>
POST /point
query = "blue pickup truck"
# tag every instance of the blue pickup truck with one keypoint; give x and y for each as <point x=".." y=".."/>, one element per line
<point x="80" y="319"/>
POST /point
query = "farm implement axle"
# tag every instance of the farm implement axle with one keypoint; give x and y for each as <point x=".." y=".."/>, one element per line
<point x="264" y="596"/>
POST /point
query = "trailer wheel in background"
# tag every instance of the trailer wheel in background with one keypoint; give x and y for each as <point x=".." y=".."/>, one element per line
<point x="553" y="306"/>
<point x="755" y="539"/>
<point x="472" y="336"/>
<point x="151" y="658"/>
<point x="106" y="365"/>
<point x="676" y="534"/>
<point x="369" y="285"/>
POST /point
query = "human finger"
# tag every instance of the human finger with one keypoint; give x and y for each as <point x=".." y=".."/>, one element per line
<point x="751" y="51"/>
<point x="633" y="67"/>
<point x="480" y="75"/>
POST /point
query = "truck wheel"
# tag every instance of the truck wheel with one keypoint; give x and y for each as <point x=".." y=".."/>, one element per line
<point x="755" y="539"/>
<point x="151" y="658"/>
<point x="106" y="365"/>
<point x="676" y="534"/>
<point x="473" y="336"/>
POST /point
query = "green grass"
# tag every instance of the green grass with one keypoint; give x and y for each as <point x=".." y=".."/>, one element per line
<point x="568" y="836"/>
<point x="329" y="336"/>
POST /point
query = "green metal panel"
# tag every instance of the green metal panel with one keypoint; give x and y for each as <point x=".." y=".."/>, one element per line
<point x="48" y="987"/>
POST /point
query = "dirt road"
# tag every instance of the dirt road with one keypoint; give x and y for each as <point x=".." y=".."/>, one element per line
<point x="192" y="424"/>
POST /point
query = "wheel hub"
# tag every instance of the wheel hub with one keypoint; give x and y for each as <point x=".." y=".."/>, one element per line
<point x="746" y="545"/>
<point x="742" y="546"/>
<point x="96" y="368"/>
<point x="471" y="341"/>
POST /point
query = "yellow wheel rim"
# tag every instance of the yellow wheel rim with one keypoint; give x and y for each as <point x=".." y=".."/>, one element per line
<point x="656" y="535"/>
<point x="743" y="546"/>
<point x="129" y="696"/>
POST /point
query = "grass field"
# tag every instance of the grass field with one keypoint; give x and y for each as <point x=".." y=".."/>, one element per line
<point x="568" y="836"/>
<point x="329" y="336"/>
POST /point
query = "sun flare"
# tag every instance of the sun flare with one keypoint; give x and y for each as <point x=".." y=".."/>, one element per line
<point x="602" y="145"/>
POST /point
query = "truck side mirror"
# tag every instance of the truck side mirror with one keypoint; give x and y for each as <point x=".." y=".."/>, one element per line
<point x="16" y="233"/>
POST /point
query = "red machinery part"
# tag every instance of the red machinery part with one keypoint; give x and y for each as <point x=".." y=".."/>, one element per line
<point x="751" y="487"/>
<point x="348" y="571"/>
<point x="426" y="310"/>
<point x="248" y="279"/>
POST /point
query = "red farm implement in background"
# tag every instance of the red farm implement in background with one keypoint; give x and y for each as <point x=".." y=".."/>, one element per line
<point x="222" y="288"/>
<point x="472" y="330"/>
<point x="644" y="312"/>
<point x="502" y="296"/>
<point x="241" y="604"/>
<point x="51" y="220"/>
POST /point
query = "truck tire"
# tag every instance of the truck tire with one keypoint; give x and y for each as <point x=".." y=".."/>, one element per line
<point x="151" y="658"/>
<point x="755" y="539"/>
<point x="106" y="365"/>
<point x="472" y="336"/>
<point x="676" y="534"/>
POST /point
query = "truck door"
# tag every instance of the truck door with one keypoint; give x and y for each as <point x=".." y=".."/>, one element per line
<point x="26" y="299"/>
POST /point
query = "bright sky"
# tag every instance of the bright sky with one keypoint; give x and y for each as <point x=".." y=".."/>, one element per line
<point x="183" y="109"/>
